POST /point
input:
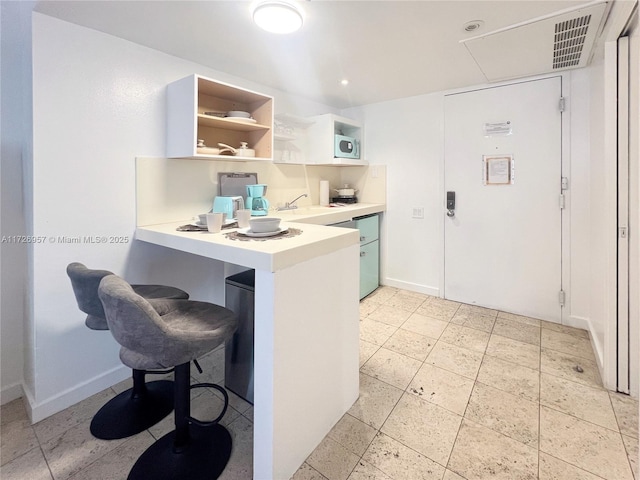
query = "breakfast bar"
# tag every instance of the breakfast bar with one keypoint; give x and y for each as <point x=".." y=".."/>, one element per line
<point x="306" y="331"/>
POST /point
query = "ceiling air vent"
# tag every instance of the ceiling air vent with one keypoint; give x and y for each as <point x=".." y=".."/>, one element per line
<point x="569" y="42"/>
<point x="555" y="42"/>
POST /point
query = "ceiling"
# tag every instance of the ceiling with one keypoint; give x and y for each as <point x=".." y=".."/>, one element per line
<point x="386" y="49"/>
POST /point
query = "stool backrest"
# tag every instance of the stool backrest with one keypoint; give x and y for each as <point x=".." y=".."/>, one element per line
<point x="85" y="282"/>
<point x="133" y="322"/>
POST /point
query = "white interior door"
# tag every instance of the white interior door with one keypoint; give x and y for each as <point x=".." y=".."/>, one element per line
<point x="503" y="160"/>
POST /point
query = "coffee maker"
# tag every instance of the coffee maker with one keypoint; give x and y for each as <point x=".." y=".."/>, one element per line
<point x="256" y="201"/>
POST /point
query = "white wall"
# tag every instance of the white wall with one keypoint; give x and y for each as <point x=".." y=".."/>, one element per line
<point x="95" y="109"/>
<point x="407" y="136"/>
<point x="601" y="237"/>
<point x="15" y="131"/>
<point x="634" y="198"/>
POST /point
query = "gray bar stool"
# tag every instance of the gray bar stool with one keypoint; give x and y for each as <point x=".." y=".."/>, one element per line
<point x="172" y="333"/>
<point x="145" y="404"/>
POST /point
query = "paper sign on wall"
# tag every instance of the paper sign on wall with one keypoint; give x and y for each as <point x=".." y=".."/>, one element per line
<point x="498" y="129"/>
<point x="498" y="169"/>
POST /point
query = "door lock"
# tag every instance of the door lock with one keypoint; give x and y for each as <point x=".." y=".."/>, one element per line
<point x="451" y="204"/>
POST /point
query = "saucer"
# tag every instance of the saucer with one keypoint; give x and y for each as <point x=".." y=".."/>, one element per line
<point x="249" y="233"/>
<point x="226" y="222"/>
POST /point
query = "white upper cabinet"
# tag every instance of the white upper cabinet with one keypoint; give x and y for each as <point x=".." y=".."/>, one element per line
<point x="197" y="110"/>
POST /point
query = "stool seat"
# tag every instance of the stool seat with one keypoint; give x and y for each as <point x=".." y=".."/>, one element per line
<point x="172" y="333"/>
<point x="189" y="330"/>
<point x="145" y="404"/>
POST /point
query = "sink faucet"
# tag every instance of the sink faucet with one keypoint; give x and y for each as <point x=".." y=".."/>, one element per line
<point x="290" y="205"/>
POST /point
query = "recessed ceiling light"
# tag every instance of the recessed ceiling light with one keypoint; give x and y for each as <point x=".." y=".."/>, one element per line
<point x="277" y="16"/>
<point x="344" y="82"/>
<point x="473" y="26"/>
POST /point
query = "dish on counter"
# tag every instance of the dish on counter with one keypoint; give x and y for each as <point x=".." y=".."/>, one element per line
<point x="249" y="233"/>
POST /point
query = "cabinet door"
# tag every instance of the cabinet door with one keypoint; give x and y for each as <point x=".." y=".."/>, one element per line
<point x="368" y="229"/>
<point x="369" y="270"/>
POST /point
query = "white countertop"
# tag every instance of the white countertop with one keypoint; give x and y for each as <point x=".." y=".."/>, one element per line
<point x="267" y="254"/>
<point x="318" y="215"/>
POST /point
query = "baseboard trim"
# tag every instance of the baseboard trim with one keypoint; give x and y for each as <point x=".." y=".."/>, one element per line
<point x="578" y="322"/>
<point x="598" y="350"/>
<point x="413" y="287"/>
<point x="38" y="411"/>
<point x="10" y="392"/>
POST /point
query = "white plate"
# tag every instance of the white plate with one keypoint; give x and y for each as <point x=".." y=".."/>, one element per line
<point x="247" y="231"/>
<point x="241" y="119"/>
<point x="238" y="113"/>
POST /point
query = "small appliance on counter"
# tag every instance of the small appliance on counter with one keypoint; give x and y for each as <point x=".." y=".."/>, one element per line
<point x="256" y="202"/>
<point x="346" y="147"/>
<point x="338" y="199"/>
<point x="229" y="205"/>
<point x="232" y="184"/>
<point x="345" y="194"/>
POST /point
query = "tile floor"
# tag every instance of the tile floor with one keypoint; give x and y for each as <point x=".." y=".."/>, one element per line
<point x="447" y="392"/>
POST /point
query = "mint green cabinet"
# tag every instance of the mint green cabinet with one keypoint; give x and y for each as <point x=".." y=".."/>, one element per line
<point x="369" y="254"/>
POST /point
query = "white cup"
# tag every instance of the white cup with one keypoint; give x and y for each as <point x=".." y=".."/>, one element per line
<point x="243" y="217"/>
<point x="214" y="222"/>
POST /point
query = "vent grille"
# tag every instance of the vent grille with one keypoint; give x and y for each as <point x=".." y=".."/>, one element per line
<point x="569" y="41"/>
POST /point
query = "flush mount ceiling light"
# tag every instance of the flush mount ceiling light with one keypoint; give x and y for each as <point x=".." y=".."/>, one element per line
<point x="277" y="16"/>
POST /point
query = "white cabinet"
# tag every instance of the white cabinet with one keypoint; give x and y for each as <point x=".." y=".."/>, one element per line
<point x="321" y="140"/>
<point x="194" y="108"/>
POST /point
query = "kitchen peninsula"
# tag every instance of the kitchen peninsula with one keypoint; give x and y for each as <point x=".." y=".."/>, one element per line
<point x="306" y="325"/>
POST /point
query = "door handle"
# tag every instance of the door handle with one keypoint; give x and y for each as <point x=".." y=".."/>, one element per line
<point x="451" y="204"/>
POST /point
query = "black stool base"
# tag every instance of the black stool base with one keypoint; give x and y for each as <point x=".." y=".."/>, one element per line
<point x="124" y="415"/>
<point x="203" y="458"/>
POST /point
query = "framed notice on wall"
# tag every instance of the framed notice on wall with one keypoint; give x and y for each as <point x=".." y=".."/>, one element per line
<point x="498" y="170"/>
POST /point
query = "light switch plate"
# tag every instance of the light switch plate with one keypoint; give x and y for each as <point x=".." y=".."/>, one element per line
<point x="418" y="212"/>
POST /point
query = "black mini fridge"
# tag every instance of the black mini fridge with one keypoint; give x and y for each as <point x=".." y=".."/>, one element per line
<point x="238" y="368"/>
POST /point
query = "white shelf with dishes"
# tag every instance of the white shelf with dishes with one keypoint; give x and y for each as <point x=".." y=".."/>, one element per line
<point x="203" y="113"/>
<point x="288" y="127"/>
<point x="290" y="138"/>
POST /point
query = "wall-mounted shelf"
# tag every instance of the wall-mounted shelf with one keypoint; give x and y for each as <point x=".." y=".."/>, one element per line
<point x="229" y="123"/>
<point x="289" y="127"/>
<point x="283" y="137"/>
<point x="187" y="101"/>
<point x="322" y="140"/>
<point x="345" y="162"/>
<point x="295" y="120"/>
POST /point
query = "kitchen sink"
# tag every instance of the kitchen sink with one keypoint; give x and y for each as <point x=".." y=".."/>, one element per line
<point x="304" y="210"/>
